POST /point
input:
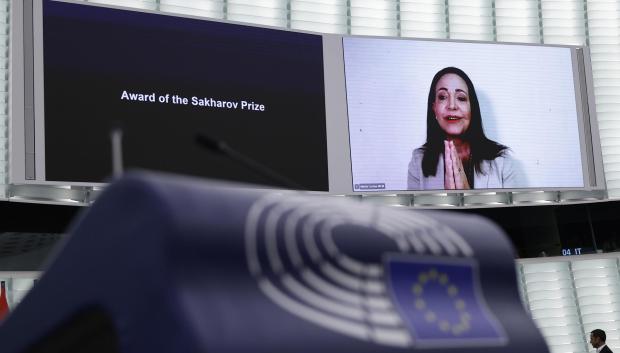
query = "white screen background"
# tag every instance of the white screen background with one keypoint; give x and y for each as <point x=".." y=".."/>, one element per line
<point x="526" y="95"/>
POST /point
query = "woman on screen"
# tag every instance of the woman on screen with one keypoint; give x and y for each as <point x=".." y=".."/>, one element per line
<point x="457" y="154"/>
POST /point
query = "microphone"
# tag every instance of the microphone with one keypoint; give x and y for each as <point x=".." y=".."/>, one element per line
<point x="116" y="141"/>
<point x="220" y="147"/>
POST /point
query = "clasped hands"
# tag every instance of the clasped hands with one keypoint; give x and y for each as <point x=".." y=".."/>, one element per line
<point x="454" y="173"/>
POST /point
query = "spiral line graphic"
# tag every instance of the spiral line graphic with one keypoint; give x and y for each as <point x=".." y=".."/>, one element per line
<point x="293" y="255"/>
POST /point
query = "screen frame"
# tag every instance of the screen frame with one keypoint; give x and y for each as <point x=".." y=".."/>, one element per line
<point x="589" y="142"/>
<point x="37" y="176"/>
<point x="27" y="137"/>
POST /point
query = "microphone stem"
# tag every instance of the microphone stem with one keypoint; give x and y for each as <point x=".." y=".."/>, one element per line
<point x="259" y="168"/>
<point x="116" y="137"/>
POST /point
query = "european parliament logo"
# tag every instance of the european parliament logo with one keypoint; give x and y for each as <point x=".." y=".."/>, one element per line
<point x="440" y="300"/>
<point x="362" y="272"/>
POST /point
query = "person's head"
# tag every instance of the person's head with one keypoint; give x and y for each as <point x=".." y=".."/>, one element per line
<point x="452" y="107"/>
<point x="453" y="111"/>
<point x="597" y="338"/>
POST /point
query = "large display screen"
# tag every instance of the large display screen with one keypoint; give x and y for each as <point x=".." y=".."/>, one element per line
<point x="163" y="79"/>
<point x="427" y="115"/>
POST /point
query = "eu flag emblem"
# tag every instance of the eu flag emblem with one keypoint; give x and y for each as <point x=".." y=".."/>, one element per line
<point x="441" y="301"/>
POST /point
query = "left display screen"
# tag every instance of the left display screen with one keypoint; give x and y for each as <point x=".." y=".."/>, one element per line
<point x="163" y="80"/>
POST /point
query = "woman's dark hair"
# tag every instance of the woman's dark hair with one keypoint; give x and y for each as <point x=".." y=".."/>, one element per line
<point x="480" y="146"/>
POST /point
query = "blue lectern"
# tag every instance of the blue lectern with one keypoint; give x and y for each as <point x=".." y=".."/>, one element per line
<point x="172" y="264"/>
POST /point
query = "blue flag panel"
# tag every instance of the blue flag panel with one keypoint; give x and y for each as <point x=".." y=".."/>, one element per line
<point x="441" y="301"/>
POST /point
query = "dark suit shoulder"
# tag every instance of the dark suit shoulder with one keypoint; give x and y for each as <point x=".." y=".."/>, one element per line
<point x="606" y="350"/>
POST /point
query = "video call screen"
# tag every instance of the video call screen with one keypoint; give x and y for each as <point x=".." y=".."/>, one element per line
<point x="163" y="79"/>
<point x="525" y="134"/>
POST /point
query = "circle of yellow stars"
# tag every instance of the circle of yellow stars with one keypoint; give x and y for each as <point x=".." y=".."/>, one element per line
<point x="430" y="316"/>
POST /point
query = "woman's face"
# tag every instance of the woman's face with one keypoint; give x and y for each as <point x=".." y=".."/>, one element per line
<point x="451" y="106"/>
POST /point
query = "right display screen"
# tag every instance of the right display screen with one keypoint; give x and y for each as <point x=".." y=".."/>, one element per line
<point x="427" y="115"/>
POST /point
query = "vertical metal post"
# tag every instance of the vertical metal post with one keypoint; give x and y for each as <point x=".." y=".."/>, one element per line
<point x="591" y="228"/>
<point x="447" y="13"/>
